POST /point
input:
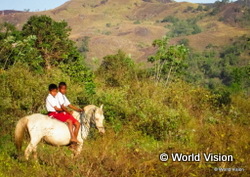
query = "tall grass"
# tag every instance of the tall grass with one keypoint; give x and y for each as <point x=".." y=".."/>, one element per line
<point x="142" y="120"/>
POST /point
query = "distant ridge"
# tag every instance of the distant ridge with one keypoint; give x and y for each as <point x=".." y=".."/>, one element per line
<point x="132" y="25"/>
<point x="8" y="12"/>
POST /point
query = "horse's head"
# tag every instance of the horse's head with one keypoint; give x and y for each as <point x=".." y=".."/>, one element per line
<point x="98" y="119"/>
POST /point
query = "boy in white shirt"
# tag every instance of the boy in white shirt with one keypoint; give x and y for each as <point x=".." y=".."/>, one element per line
<point x="64" y="103"/>
<point x="55" y="110"/>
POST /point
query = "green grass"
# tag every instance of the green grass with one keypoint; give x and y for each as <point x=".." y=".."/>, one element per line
<point x="126" y="150"/>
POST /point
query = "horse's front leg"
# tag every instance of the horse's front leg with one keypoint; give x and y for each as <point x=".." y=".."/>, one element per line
<point x="76" y="149"/>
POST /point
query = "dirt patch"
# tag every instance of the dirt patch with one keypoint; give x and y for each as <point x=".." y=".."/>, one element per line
<point x="147" y="11"/>
<point x="231" y="13"/>
<point x="141" y="31"/>
<point x="124" y="33"/>
<point x="146" y="52"/>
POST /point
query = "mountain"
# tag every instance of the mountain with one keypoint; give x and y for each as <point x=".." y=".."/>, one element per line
<point x="132" y="25"/>
<point x="8" y="12"/>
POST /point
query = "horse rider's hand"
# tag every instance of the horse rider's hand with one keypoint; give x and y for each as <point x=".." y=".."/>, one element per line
<point x="71" y="112"/>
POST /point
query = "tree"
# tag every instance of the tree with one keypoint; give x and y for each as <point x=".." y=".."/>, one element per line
<point x="23" y="50"/>
<point x="117" y="69"/>
<point x="44" y="43"/>
<point x="168" y="60"/>
<point x="7" y="29"/>
<point x="184" y="41"/>
<point x="16" y="48"/>
<point x="84" y="48"/>
<point x="52" y="41"/>
<point x="199" y="8"/>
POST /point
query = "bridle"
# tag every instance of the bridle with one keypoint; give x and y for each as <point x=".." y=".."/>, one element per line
<point x="87" y="123"/>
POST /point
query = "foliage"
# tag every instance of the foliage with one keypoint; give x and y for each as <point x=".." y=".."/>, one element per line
<point x="245" y="20"/>
<point x="8" y="29"/>
<point x="182" y="27"/>
<point x="14" y="50"/>
<point x="188" y="9"/>
<point x="168" y="60"/>
<point x="43" y="43"/>
<point x="217" y="6"/>
<point x="184" y="42"/>
<point x="137" y="22"/>
<point x="143" y="119"/>
<point x="200" y="8"/>
<point x="52" y="40"/>
<point x="229" y="67"/>
<point x="117" y="69"/>
<point x="84" y="48"/>
<point x="170" y="19"/>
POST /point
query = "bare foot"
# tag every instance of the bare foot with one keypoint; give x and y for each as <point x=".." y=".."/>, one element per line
<point x="74" y="141"/>
<point x="73" y="147"/>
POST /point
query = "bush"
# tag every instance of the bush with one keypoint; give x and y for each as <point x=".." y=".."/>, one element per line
<point x="26" y="93"/>
<point x="182" y="27"/>
<point x="161" y="126"/>
<point x="117" y="69"/>
<point x="170" y="19"/>
<point x="137" y="22"/>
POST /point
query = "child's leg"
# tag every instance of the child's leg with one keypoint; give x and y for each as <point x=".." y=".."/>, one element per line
<point x="70" y="126"/>
<point x="75" y="123"/>
<point x="65" y="118"/>
<point x="77" y="127"/>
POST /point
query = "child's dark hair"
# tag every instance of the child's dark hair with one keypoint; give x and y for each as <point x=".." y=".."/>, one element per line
<point x="52" y="87"/>
<point x="62" y="84"/>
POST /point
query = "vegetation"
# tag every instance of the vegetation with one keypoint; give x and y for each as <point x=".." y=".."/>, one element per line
<point x="227" y="67"/>
<point x="84" y="48"/>
<point x="168" y="60"/>
<point x="237" y="14"/>
<point x="52" y="40"/>
<point x="181" y="27"/>
<point x="143" y="119"/>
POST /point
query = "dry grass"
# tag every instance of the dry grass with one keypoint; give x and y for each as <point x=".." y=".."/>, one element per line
<point x="126" y="151"/>
<point x="90" y="18"/>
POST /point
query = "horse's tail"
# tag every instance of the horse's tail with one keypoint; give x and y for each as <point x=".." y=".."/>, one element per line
<point x="19" y="132"/>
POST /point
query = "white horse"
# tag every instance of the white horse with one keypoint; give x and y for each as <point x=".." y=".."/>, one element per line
<point x="54" y="132"/>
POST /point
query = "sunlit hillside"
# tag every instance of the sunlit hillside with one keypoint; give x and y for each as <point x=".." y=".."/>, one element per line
<point x="132" y="25"/>
<point x="174" y="78"/>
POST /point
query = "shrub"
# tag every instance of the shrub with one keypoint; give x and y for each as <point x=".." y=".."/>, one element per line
<point x="182" y="27"/>
<point x="117" y="69"/>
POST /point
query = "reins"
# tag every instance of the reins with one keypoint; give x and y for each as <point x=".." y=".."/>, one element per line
<point x="82" y="114"/>
<point x="83" y="120"/>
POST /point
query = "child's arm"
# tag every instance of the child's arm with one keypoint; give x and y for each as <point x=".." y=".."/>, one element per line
<point x="58" y="109"/>
<point x="75" y="108"/>
<point x="65" y="109"/>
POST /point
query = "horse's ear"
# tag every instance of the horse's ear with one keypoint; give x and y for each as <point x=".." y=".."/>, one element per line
<point x="101" y="107"/>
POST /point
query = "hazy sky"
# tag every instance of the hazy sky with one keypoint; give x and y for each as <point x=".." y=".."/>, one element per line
<point x="33" y="5"/>
<point x="41" y="5"/>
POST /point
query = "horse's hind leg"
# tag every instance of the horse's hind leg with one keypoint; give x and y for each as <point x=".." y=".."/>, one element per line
<point x="32" y="147"/>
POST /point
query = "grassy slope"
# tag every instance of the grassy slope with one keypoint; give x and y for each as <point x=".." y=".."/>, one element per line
<point x="128" y="152"/>
<point x="91" y="19"/>
<point x="125" y="151"/>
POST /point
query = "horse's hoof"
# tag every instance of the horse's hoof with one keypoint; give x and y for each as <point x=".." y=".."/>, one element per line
<point x="73" y="147"/>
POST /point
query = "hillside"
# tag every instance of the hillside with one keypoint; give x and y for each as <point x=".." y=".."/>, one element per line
<point x="192" y="99"/>
<point x="132" y="25"/>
